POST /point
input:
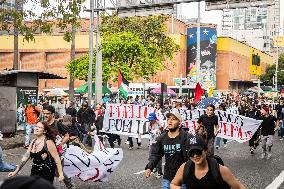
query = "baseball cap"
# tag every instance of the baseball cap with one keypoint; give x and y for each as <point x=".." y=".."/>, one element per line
<point x="152" y="116"/>
<point x="195" y="142"/>
<point x="176" y="114"/>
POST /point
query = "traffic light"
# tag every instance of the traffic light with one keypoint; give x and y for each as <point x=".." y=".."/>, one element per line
<point x="255" y="60"/>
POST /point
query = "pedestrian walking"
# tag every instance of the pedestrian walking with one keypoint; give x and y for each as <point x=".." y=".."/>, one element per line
<point x="86" y="118"/>
<point x="208" y="128"/>
<point x="202" y="172"/>
<point x="170" y="144"/>
<point x="33" y="114"/>
<point x="268" y="127"/>
<point x="42" y="151"/>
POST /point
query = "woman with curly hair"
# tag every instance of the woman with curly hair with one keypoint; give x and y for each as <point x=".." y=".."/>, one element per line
<point x="44" y="154"/>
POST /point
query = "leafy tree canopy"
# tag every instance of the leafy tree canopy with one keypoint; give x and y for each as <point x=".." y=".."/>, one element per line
<point x="270" y="72"/>
<point x="138" y="46"/>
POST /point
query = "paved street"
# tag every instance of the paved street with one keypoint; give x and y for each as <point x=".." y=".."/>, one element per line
<point x="253" y="172"/>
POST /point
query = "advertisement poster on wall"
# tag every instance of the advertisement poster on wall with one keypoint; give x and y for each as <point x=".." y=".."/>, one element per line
<point x="23" y="95"/>
<point x="208" y="52"/>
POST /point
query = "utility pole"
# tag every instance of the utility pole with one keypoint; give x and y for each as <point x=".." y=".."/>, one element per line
<point x="91" y="47"/>
<point x="277" y="57"/>
<point x="99" y="79"/>
<point x="198" y="45"/>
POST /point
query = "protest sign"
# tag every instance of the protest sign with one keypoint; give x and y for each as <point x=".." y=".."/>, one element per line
<point x="132" y="120"/>
<point x="96" y="166"/>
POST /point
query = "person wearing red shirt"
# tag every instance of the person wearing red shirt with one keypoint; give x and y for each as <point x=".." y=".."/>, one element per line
<point x="32" y="116"/>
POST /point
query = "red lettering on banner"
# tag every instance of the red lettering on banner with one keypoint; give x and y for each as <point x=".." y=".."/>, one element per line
<point x="225" y="129"/>
<point x="132" y="111"/>
<point x="110" y="111"/>
<point x="232" y="130"/>
<point x="125" y="110"/>
<point x="145" y="112"/>
<point x="240" y="133"/>
<point x="118" y="111"/>
<point x="194" y="125"/>
<point x="186" y="124"/>
<point x="139" y="112"/>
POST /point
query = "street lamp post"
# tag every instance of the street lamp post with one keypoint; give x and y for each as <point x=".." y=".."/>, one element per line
<point x="91" y="46"/>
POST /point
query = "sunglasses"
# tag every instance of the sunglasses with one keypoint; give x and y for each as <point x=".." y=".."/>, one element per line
<point x="193" y="152"/>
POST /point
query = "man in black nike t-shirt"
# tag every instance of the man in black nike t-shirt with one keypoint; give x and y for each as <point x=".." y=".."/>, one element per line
<point x="170" y="144"/>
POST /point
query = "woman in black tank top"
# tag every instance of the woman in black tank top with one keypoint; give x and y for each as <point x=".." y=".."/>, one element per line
<point x="44" y="154"/>
<point x="200" y="172"/>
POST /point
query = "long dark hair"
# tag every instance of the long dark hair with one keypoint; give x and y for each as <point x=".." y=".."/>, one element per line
<point x="50" y="131"/>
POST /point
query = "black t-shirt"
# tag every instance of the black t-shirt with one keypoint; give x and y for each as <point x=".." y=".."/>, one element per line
<point x="61" y="129"/>
<point x="268" y="125"/>
<point x="174" y="151"/>
<point x="208" y="123"/>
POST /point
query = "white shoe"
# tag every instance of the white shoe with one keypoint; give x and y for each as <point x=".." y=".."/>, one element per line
<point x="262" y="156"/>
<point x="225" y="145"/>
<point x="127" y="142"/>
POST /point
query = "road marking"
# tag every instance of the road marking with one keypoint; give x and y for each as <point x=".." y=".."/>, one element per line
<point x="140" y="172"/>
<point x="277" y="181"/>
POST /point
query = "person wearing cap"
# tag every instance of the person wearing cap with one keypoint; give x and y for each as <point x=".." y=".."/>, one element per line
<point x="154" y="131"/>
<point x="197" y="172"/>
<point x="208" y="128"/>
<point x="170" y="144"/>
<point x="33" y="114"/>
<point x="268" y="127"/>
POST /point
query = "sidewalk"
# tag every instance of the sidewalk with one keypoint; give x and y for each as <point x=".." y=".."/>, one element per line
<point x="13" y="142"/>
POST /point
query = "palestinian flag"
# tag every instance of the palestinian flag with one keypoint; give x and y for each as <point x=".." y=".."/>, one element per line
<point x="122" y="85"/>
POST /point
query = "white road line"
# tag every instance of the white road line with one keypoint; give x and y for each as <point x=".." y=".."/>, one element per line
<point x="140" y="172"/>
<point x="277" y="181"/>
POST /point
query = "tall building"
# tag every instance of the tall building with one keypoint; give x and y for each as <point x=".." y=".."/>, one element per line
<point x="255" y="26"/>
<point x="12" y="4"/>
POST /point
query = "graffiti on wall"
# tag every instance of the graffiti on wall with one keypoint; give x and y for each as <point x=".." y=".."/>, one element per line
<point x="208" y="51"/>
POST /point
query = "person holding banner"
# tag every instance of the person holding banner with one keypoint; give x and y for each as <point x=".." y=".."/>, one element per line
<point x="172" y="145"/>
<point x="208" y="128"/>
<point x="268" y="127"/>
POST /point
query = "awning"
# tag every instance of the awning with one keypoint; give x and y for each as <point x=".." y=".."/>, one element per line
<point x="41" y="75"/>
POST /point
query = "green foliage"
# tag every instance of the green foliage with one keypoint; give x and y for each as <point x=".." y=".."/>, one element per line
<point x="270" y="72"/>
<point x="138" y="46"/>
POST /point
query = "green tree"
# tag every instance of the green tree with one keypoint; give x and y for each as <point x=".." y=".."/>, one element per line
<point x="270" y="72"/>
<point x="138" y="46"/>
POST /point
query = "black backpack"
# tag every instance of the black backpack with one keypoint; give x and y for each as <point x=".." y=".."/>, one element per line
<point x="214" y="163"/>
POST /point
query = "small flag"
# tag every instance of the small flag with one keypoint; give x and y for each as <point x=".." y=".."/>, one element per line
<point x="210" y="92"/>
<point x="197" y="93"/>
<point x="122" y="85"/>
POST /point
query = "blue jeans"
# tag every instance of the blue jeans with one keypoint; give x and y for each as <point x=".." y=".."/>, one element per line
<point x="282" y="129"/>
<point x="29" y="130"/>
<point x="5" y="167"/>
<point x="218" y="141"/>
<point x="166" y="184"/>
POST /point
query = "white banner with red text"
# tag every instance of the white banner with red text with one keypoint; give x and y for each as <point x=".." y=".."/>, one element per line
<point x="131" y="120"/>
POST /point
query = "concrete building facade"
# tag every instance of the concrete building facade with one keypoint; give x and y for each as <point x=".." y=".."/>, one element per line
<point x="51" y="53"/>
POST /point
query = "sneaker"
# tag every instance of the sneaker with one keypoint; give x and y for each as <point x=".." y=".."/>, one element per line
<point x="127" y="142"/>
<point x="158" y="175"/>
<point x="217" y="147"/>
<point x="251" y="151"/>
<point x="130" y="148"/>
<point x="268" y="156"/>
<point x="262" y="155"/>
<point x="225" y="145"/>
<point x="281" y="138"/>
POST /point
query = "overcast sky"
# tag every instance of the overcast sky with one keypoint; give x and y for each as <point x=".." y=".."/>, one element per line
<point x="189" y="10"/>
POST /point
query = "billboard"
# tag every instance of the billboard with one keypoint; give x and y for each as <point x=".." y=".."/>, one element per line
<point x="208" y="52"/>
<point x="233" y="4"/>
